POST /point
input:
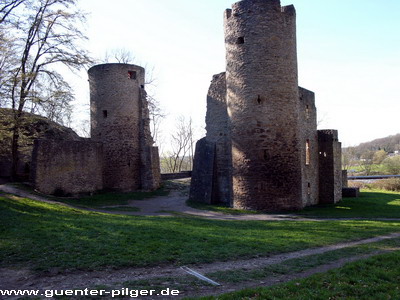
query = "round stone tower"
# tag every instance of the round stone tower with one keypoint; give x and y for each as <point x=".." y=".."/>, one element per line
<point x="263" y="105"/>
<point x="116" y="92"/>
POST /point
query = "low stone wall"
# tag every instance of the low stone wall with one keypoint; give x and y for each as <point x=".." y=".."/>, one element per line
<point x="181" y="175"/>
<point x="67" y="167"/>
<point x="350" y="192"/>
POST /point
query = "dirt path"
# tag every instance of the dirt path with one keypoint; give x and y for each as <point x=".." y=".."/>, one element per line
<point x="276" y="279"/>
<point x="24" y="279"/>
<point x="175" y="203"/>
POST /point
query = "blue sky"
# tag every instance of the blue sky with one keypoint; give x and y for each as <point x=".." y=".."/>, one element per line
<point x="348" y="54"/>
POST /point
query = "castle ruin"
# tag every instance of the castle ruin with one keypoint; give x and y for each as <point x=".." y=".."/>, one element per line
<point x="262" y="150"/>
<point x="119" y="156"/>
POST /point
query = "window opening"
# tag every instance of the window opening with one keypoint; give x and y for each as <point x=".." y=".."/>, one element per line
<point x="307" y="112"/>
<point x="132" y="74"/>
<point x="105" y="114"/>
<point x="265" y="155"/>
<point x="259" y="100"/>
<point x="240" y="40"/>
<point x="308" y="154"/>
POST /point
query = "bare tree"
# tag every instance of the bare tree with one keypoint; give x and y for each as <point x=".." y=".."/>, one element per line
<point x="348" y="157"/>
<point x="181" y="156"/>
<point x="157" y="115"/>
<point x="7" y="7"/>
<point x="119" y="55"/>
<point x="8" y="21"/>
<point x="367" y="162"/>
<point x="48" y="36"/>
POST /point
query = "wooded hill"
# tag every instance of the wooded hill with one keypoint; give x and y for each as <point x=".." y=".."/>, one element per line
<point x="390" y="144"/>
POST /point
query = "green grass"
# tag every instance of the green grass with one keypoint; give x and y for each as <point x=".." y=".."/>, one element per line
<point x="297" y="265"/>
<point x="100" y="199"/>
<point x="115" y="198"/>
<point x="374" y="278"/>
<point x="45" y="236"/>
<point x="371" y="204"/>
<point x="220" y="208"/>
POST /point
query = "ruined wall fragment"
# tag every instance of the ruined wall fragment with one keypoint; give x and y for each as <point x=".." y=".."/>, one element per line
<point x="330" y="167"/>
<point x="309" y="147"/>
<point x="67" y="167"/>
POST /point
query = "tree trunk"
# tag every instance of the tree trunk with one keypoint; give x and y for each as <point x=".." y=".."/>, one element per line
<point x="15" y="147"/>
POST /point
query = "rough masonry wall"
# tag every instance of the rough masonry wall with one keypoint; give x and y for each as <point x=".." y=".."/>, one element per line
<point x="150" y="161"/>
<point x="218" y="132"/>
<point x="309" y="147"/>
<point x="204" y="173"/>
<point x="330" y="167"/>
<point x="115" y="101"/>
<point x="263" y="105"/>
<point x="67" y="167"/>
<point x="337" y="163"/>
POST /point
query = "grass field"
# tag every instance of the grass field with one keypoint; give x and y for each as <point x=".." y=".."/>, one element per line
<point x="374" y="278"/>
<point x="100" y="199"/>
<point x="45" y="236"/>
<point x="371" y="204"/>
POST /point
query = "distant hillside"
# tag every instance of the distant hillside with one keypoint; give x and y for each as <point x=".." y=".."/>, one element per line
<point x="33" y="127"/>
<point x="389" y="144"/>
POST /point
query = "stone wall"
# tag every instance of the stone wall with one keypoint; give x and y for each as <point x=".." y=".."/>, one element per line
<point x="345" y="179"/>
<point x="309" y="147"/>
<point x="330" y="167"/>
<point x="218" y="132"/>
<point x="202" y="187"/>
<point x="150" y="160"/>
<point x="67" y="167"/>
<point x="263" y="105"/>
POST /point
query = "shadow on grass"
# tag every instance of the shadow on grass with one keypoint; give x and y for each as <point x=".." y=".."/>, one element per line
<point x="371" y="204"/>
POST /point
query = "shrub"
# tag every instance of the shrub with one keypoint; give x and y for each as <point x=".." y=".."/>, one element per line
<point x="392" y="184"/>
<point x="392" y="165"/>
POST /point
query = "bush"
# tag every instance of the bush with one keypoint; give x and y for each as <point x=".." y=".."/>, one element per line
<point x="392" y="184"/>
<point x="392" y="165"/>
<point x="358" y="184"/>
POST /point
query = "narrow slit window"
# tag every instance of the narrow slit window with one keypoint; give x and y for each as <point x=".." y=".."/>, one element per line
<point x="309" y="189"/>
<point x="265" y="155"/>
<point x="307" y="112"/>
<point x="308" y="154"/>
<point x="132" y="74"/>
<point x="105" y="114"/>
<point x="259" y="100"/>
